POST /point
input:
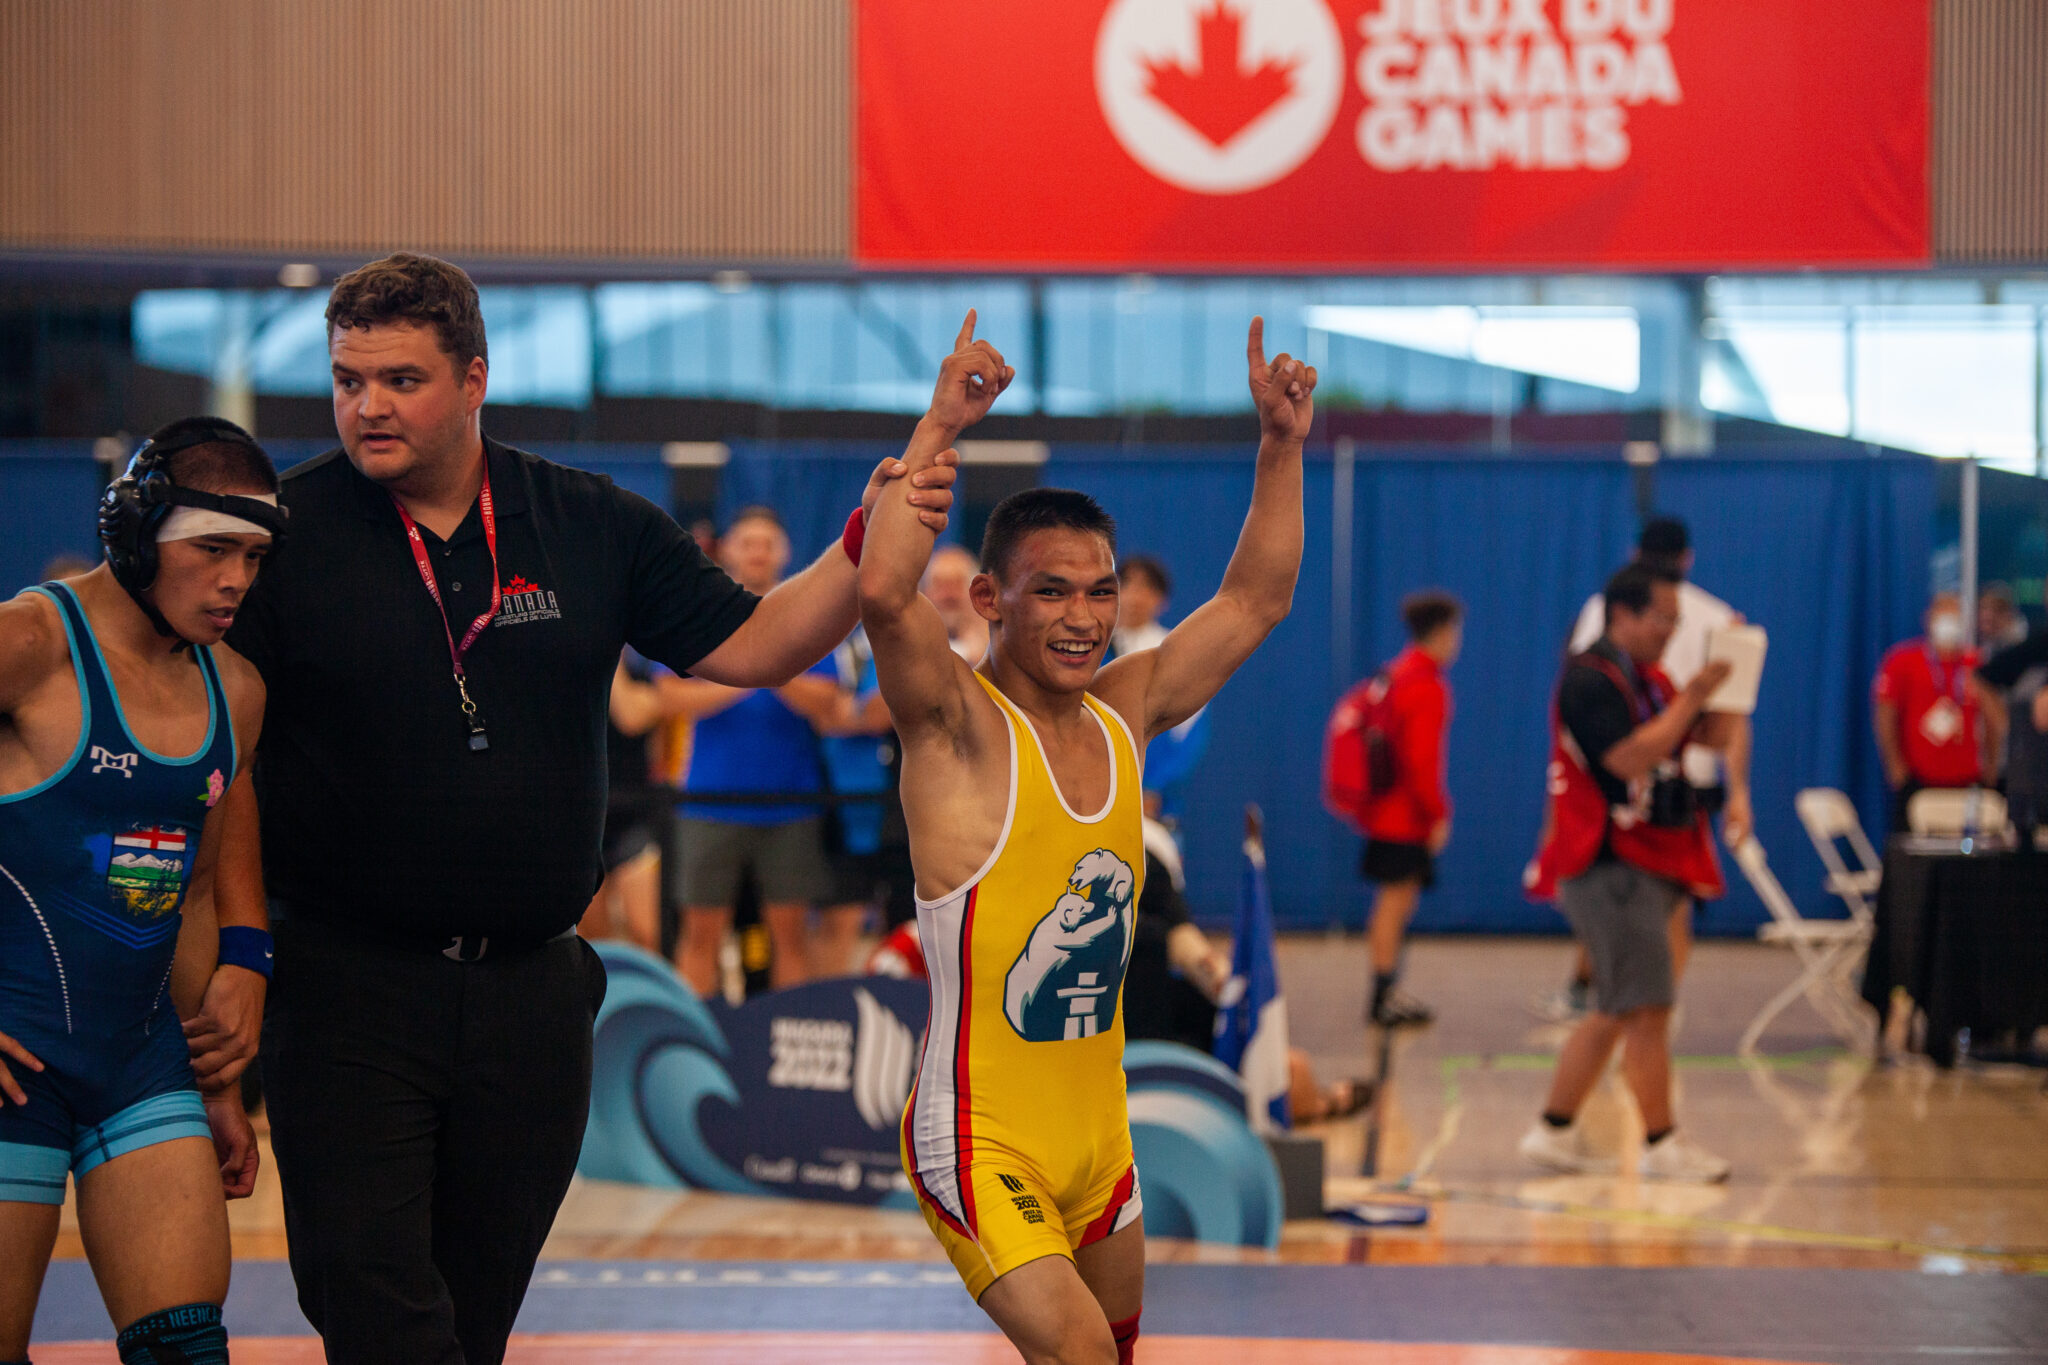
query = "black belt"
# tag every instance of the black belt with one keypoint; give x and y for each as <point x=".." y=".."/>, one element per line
<point x="464" y="948"/>
<point x="481" y="947"/>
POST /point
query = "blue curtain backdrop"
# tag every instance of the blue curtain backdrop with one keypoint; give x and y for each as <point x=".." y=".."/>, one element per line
<point x="1830" y="554"/>
<point x="811" y="484"/>
<point x="49" y="500"/>
<point x="1521" y="543"/>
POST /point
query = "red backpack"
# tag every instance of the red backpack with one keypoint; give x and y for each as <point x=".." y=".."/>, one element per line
<point x="1358" y="755"/>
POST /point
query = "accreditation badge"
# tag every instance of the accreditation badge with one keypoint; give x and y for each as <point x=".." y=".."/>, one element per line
<point x="1942" y="723"/>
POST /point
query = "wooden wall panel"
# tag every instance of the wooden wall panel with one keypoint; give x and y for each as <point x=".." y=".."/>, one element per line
<point x="671" y="130"/>
<point x="1990" y="131"/>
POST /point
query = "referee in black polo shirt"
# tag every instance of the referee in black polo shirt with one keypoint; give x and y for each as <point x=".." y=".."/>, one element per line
<point x="438" y="648"/>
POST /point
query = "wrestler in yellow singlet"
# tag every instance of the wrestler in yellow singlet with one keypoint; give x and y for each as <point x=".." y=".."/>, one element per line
<point x="1016" y="1136"/>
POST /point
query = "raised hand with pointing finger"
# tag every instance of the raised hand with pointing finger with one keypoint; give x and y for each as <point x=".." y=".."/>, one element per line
<point x="1283" y="390"/>
<point x="970" y="380"/>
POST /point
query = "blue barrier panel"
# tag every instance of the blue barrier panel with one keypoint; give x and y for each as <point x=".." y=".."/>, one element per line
<point x="801" y="1092"/>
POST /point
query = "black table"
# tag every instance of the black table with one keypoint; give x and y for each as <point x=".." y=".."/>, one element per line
<point x="1967" y="937"/>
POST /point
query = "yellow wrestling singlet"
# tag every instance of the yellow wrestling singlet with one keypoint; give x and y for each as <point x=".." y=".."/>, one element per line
<point x="1016" y="1137"/>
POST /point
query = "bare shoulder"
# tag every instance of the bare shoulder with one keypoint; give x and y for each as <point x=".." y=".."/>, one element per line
<point x="242" y="684"/>
<point x="32" y="643"/>
<point x="1124" y="686"/>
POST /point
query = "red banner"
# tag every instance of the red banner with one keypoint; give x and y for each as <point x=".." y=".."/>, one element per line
<point x="1409" y="134"/>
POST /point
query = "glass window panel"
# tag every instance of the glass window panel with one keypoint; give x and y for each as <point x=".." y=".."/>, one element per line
<point x="1948" y="381"/>
<point x="539" y="338"/>
<point x="288" y="353"/>
<point x="1798" y="360"/>
<point x="177" y="329"/>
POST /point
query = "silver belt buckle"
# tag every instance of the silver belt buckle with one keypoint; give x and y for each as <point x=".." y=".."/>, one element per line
<point x="464" y="948"/>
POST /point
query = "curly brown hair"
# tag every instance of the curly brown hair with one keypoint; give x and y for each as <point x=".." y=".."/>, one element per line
<point x="407" y="288"/>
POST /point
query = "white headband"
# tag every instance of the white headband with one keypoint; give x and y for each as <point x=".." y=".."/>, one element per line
<point x="190" y="523"/>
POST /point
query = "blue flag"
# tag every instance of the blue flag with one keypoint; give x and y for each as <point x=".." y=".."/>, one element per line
<point x="1251" y="1031"/>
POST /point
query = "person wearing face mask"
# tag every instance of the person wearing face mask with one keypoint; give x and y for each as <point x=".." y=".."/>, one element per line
<point x="1938" y="724"/>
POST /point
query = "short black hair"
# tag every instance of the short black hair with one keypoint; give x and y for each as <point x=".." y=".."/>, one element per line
<point x="1425" y="613"/>
<point x="1664" y="538"/>
<point x="424" y="290"/>
<point x="758" y="511"/>
<point x="235" y="464"/>
<point x="1040" y="509"/>
<point x="1633" y="585"/>
<point x="1149" y="569"/>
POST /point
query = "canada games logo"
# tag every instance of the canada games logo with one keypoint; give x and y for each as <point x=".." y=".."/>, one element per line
<point x="1219" y="96"/>
<point x="1064" y="984"/>
<point x="1227" y="96"/>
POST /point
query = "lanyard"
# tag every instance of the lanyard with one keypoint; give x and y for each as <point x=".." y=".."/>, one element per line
<point x="1641" y="703"/>
<point x="1957" y="671"/>
<point x="478" y="740"/>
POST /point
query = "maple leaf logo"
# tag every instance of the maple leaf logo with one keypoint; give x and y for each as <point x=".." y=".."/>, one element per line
<point x="1220" y="98"/>
<point x="519" y="585"/>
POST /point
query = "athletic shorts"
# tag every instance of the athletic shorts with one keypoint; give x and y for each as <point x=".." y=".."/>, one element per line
<point x="1622" y="915"/>
<point x="787" y="860"/>
<point x="89" y="1105"/>
<point x="1391" y="863"/>
<point x="1016" y="1216"/>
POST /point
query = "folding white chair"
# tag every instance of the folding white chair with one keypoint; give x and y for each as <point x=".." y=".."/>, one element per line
<point x="1945" y="812"/>
<point x="1831" y="820"/>
<point x="1830" y="953"/>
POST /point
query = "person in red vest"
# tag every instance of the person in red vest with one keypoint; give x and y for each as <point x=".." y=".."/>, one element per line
<point x="1937" y="724"/>
<point x="1623" y="842"/>
<point x="1407" y="826"/>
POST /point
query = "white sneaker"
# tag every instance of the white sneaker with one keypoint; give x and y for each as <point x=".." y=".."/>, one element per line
<point x="1565" y="1005"/>
<point x="1676" y="1159"/>
<point x="1564" y="1149"/>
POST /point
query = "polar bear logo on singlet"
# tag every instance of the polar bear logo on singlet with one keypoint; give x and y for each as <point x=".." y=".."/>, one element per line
<point x="1064" y="984"/>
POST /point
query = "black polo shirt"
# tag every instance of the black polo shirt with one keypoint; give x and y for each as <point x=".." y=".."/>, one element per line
<point x="1599" y="715"/>
<point x="377" y="815"/>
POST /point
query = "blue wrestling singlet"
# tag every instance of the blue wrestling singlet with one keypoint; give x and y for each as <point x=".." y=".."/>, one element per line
<point x="94" y="865"/>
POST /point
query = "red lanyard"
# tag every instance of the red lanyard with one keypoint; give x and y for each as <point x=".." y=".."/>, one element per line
<point x="477" y="739"/>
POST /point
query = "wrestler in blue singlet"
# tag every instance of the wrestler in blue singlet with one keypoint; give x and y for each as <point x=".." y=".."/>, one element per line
<point x="94" y="865"/>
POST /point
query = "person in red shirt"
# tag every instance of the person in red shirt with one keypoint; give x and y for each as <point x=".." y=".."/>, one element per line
<point x="1406" y="828"/>
<point x="1937" y="724"/>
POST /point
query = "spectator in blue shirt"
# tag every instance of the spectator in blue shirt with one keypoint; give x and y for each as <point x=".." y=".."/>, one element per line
<point x="1144" y="588"/>
<point x="751" y="742"/>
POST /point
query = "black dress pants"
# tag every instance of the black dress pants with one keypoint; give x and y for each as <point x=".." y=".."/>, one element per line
<point x="426" y="1115"/>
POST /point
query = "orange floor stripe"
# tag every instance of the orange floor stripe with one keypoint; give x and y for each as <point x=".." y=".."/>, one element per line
<point x="934" y="1348"/>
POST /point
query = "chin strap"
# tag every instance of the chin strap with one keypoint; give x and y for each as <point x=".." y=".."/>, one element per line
<point x="156" y="618"/>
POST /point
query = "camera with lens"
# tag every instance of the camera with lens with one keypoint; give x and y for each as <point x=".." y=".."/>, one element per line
<point x="1674" y="801"/>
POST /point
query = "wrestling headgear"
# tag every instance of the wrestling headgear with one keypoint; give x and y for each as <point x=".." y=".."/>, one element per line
<point x="136" y="506"/>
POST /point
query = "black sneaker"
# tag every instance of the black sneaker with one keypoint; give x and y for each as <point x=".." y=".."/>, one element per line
<point x="1398" y="1009"/>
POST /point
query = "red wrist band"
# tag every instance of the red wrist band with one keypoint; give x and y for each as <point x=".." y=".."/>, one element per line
<point x="856" y="531"/>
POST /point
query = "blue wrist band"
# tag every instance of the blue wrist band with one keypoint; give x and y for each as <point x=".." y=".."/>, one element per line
<point x="241" y="946"/>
